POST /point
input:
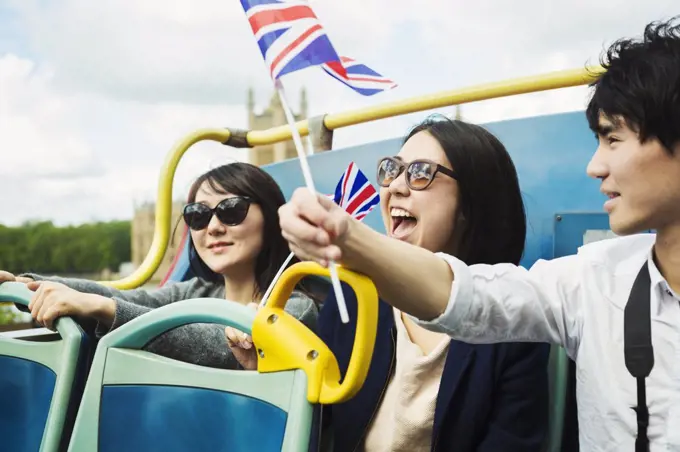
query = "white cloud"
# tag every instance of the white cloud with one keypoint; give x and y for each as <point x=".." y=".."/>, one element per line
<point x="75" y="158"/>
<point x="146" y="51"/>
<point x="38" y="138"/>
<point x="94" y="94"/>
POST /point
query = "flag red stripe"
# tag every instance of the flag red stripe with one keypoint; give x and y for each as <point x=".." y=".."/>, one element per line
<point x="292" y="46"/>
<point x="364" y="79"/>
<point x="264" y="18"/>
<point x="360" y="199"/>
<point x="344" y="182"/>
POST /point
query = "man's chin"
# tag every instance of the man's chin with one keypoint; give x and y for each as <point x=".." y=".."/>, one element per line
<point x="625" y="226"/>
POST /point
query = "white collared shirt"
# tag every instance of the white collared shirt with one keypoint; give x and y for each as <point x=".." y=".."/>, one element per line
<point x="578" y="302"/>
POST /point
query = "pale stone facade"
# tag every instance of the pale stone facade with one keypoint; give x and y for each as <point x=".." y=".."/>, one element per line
<point x="272" y="116"/>
<point x="143" y="224"/>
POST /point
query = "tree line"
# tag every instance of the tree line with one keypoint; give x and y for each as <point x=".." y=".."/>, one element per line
<point x="42" y="247"/>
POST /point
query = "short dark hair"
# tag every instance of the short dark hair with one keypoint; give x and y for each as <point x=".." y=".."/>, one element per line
<point x="642" y="84"/>
<point x="244" y="179"/>
<point x="490" y="199"/>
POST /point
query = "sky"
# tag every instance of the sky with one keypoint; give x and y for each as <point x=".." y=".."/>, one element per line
<point x="93" y="95"/>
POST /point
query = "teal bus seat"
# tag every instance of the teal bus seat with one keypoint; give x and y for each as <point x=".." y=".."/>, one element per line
<point x="41" y="379"/>
<point x="138" y="401"/>
<point x="558" y="368"/>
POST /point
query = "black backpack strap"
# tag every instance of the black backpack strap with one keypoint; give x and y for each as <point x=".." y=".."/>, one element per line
<point x="638" y="350"/>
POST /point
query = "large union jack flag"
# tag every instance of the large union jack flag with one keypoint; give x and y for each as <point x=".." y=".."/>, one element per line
<point x="355" y="193"/>
<point x="358" y="76"/>
<point x="289" y="35"/>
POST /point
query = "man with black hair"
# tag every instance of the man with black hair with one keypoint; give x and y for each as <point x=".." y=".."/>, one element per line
<point x="614" y="306"/>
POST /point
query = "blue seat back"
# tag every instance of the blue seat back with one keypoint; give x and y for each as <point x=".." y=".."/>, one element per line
<point x="41" y="381"/>
<point x="138" y="401"/>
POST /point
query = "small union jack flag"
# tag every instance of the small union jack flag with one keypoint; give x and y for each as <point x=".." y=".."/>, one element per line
<point x="289" y="35"/>
<point x="355" y="193"/>
<point x="358" y="76"/>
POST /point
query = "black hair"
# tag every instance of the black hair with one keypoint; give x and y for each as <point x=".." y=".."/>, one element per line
<point x="641" y="84"/>
<point x="490" y="199"/>
<point x="244" y="179"/>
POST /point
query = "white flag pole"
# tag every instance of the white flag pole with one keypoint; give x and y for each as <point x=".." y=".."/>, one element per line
<point x="276" y="278"/>
<point x="307" y="173"/>
<point x="267" y="294"/>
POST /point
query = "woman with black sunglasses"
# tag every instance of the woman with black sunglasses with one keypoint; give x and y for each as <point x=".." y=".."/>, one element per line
<point x="236" y="249"/>
<point x="452" y="188"/>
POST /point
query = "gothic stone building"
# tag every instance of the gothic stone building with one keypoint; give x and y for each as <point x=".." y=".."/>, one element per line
<point x="272" y="116"/>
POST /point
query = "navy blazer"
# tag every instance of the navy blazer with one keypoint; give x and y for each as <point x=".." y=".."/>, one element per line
<point x="492" y="398"/>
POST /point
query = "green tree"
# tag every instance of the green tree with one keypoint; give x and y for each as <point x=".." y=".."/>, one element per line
<point x="42" y="247"/>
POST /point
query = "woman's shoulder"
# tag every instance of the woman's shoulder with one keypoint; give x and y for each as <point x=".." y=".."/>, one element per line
<point x="300" y="299"/>
<point x="197" y="288"/>
<point x="302" y="307"/>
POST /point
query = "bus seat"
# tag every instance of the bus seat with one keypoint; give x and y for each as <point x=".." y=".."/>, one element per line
<point x="558" y="368"/>
<point x="137" y="401"/>
<point x="179" y="269"/>
<point x="42" y="375"/>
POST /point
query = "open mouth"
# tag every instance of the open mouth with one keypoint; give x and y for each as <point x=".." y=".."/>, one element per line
<point x="613" y="195"/>
<point x="403" y="222"/>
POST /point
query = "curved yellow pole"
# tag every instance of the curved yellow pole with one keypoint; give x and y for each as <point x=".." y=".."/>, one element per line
<point x="161" y="234"/>
<point x="523" y="85"/>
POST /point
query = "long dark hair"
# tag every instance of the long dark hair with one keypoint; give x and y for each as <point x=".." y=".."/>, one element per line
<point x="490" y="198"/>
<point x="244" y="179"/>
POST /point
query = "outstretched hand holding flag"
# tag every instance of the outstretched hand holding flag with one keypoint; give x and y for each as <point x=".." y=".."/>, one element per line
<point x="355" y="194"/>
<point x="291" y="38"/>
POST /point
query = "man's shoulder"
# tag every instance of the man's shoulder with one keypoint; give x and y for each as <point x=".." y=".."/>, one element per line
<point x="617" y="256"/>
<point x="614" y="256"/>
<point x="618" y="250"/>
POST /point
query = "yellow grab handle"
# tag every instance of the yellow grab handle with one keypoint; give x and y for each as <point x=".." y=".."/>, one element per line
<point x="284" y="343"/>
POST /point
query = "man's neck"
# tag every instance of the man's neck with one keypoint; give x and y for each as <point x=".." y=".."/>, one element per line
<point x="667" y="253"/>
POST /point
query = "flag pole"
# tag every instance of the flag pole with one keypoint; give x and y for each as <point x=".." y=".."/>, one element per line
<point x="307" y="173"/>
<point x="265" y="297"/>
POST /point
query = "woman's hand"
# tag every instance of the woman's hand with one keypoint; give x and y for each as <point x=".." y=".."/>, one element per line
<point x="53" y="300"/>
<point x="8" y="277"/>
<point x="314" y="226"/>
<point x="241" y="345"/>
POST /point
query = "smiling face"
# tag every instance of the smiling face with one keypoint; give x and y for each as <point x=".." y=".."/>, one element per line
<point x="640" y="180"/>
<point x="226" y="249"/>
<point x="424" y="218"/>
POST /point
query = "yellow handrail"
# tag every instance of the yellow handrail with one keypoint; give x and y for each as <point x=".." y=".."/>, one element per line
<point x="523" y="85"/>
<point x="161" y="234"/>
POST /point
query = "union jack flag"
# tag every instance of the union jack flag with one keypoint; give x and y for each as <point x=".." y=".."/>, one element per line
<point x="289" y="35"/>
<point x="355" y="193"/>
<point x="358" y="76"/>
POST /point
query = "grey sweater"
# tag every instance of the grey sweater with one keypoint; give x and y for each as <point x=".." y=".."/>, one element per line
<point x="199" y="343"/>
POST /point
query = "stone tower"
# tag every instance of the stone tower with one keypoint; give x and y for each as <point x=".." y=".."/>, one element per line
<point x="272" y="116"/>
<point x="143" y="224"/>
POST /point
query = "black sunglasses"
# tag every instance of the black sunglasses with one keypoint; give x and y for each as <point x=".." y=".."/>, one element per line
<point x="419" y="173"/>
<point x="230" y="212"/>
